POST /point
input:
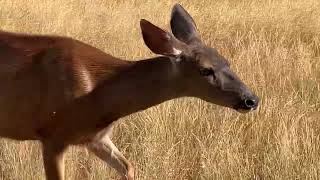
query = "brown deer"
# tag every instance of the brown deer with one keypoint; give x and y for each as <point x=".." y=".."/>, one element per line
<point x="63" y="92"/>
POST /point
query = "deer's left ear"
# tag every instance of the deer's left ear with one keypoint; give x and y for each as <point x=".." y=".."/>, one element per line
<point x="183" y="26"/>
<point x="160" y="41"/>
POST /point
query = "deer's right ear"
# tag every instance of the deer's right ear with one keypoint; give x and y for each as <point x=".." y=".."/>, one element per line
<point x="158" y="40"/>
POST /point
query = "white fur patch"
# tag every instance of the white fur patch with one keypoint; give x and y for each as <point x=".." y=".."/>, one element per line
<point x="176" y="52"/>
<point x="85" y="81"/>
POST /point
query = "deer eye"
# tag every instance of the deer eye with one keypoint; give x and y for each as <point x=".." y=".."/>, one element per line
<point x="206" y="72"/>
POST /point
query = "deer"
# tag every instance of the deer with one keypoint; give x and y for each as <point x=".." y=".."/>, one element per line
<point x="64" y="92"/>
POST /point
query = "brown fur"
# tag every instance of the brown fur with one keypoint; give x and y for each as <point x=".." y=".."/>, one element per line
<point x="40" y="74"/>
<point x="62" y="92"/>
<point x="43" y="95"/>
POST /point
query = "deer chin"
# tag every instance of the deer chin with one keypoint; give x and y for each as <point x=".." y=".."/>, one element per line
<point x="243" y="110"/>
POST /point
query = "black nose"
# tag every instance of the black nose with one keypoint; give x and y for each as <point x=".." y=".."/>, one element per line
<point x="251" y="103"/>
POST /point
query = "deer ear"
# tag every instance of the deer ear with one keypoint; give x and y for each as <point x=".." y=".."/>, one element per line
<point x="158" y="40"/>
<point x="182" y="25"/>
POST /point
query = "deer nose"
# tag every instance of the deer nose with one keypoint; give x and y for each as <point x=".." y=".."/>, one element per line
<point x="251" y="103"/>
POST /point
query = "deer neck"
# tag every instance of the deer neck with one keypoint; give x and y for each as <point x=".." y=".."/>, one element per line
<point x="134" y="87"/>
<point x="141" y="85"/>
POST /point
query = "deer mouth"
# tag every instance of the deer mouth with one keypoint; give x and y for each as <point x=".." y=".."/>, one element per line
<point x="242" y="108"/>
<point x="247" y="104"/>
<point x="244" y="111"/>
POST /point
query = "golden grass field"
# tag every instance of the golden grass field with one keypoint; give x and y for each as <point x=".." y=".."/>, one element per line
<point x="274" y="46"/>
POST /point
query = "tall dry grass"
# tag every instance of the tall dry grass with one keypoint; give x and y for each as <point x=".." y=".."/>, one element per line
<point x="273" y="45"/>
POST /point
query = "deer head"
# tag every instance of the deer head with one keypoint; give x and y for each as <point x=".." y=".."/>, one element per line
<point x="203" y="72"/>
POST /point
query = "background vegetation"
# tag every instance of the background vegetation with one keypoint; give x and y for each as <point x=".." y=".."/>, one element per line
<point x="272" y="44"/>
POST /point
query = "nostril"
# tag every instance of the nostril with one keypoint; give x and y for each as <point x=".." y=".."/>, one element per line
<point x="250" y="103"/>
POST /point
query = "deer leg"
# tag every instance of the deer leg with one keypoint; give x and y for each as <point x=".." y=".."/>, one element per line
<point x="53" y="160"/>
<point x="104" y="148"/>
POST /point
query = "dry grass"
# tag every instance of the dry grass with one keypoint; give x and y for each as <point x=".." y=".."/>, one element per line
<point x="272" y="44"/>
